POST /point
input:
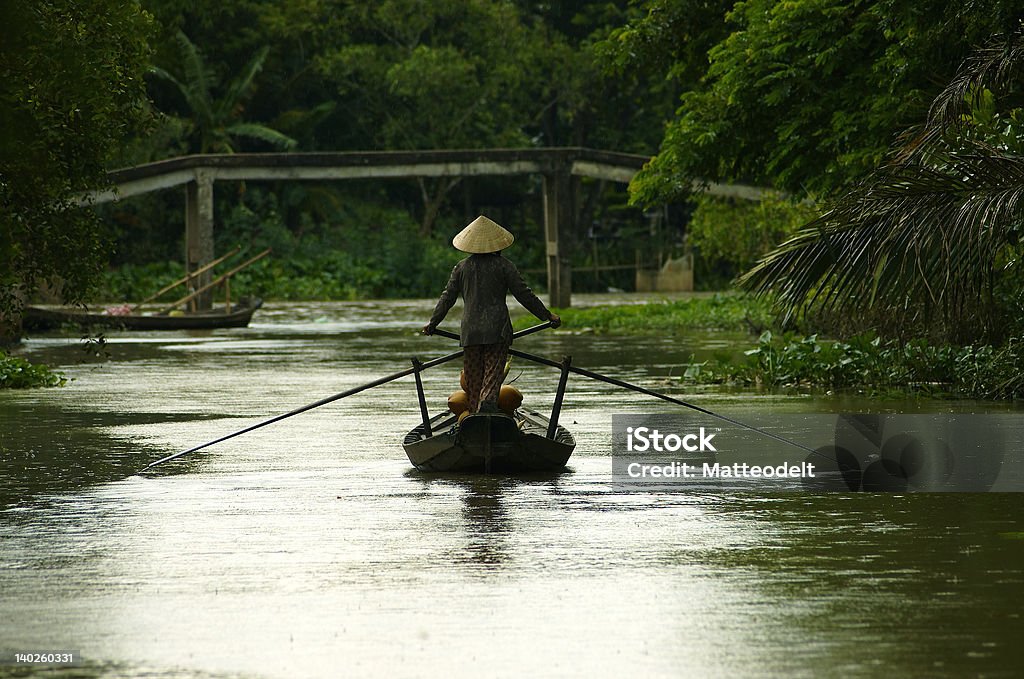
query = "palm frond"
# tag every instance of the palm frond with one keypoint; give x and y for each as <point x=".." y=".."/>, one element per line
<point x="199" y="80"/>
<point x="911" y="235"/>
<point x="921" y="238"/>
<point x="995" y="66"/>
<point x="241" y="85"/>
<point x="261" y="132"/>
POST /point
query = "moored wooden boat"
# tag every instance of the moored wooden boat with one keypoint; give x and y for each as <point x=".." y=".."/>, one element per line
<point x="492" y="443"/>
<point x="38" y="318"/>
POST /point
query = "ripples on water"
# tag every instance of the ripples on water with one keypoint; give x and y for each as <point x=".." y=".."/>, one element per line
<point x="312" y="549"/>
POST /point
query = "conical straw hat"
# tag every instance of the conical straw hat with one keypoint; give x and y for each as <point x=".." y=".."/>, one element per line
<point x="481" y="236"/>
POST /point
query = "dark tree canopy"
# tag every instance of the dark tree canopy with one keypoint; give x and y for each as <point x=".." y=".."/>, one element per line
<point x="931" y="240"/>
<point x="71" y="91"/>
<point x="802" y="95"/>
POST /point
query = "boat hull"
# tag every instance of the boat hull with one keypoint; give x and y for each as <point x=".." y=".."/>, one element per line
<point x="39" y="319"/>
<point x="489" y="443"/>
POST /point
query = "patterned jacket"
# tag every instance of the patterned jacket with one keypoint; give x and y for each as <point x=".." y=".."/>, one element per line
<point x="484" y="281"/>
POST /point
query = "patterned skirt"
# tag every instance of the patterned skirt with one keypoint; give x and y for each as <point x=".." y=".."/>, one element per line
<point x="485" y="369"/>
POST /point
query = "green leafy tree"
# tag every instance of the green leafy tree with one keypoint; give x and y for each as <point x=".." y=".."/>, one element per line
<point x="666" y="40"/>
<point x="933" y="236"/>
<point x="728" y="236"/>
<point x="215" y="123"/>
<point x="72" y="89"/>
<point x="804" y="95"/>
<point x="431" y="76"/>
<point x="404" y="74"/>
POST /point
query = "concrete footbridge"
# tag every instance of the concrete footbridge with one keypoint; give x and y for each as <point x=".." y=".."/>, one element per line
<point x="557" y="167"/>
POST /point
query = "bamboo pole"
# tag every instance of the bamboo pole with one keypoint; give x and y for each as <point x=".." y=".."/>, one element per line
<point x="212" y="284"/>
<point x="186" y="278"/>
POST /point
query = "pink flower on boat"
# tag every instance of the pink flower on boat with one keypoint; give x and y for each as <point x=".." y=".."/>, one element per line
<point x="122" y="310"/>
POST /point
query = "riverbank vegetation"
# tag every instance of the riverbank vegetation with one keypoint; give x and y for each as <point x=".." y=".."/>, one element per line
<point x="854" y="235"/>
<point x="728" y="236"/>
<point x="18" y="373"/>
<point x="730" y="312"/>
<point x="914" y="259"/>
<point x="785" y="359"/>
<point x="870" y="365"/>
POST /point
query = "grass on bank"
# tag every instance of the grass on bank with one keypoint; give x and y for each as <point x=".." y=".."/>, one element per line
<point x="733" y="312"/>
<point x="863" y="363"/>
<point x="869" y="364"/>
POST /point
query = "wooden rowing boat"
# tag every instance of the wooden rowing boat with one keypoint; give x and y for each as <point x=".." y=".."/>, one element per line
<point x="489" y="443"/>
<point x="38" y="318"/>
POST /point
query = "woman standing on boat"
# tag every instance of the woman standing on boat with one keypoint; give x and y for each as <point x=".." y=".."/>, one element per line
<point x="484" y="279"/>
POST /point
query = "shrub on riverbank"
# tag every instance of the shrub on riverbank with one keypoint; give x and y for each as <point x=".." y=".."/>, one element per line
<point x="869" y="364"/>
<point x="17" y="373"/>
<point x="728" y="236"/>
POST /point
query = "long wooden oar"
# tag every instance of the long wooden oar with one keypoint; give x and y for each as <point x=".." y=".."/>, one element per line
<point x="663" y="397"/>
<point x="639" y="389"/>
<point x="336" y="397"/>
<point x="323" y="401"/>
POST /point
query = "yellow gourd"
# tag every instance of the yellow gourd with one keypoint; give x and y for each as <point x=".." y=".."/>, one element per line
<point x="458" y="402"/>
<point x="509" y="398"/>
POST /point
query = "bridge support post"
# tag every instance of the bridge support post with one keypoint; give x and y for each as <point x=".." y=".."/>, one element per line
<point x="199" y="234"/>
<point x="558" y="210"/>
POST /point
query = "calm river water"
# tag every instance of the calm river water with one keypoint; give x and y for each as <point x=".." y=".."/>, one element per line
<point x="312" y="549"/>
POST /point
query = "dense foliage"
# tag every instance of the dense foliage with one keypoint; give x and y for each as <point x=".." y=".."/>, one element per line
<point x="728" y="236"/>
<point x="868" y="364"/>
<point x="71" y="91"/>
<point x="348" y="75"/>
<point x="336" y="75"/>
<point x="930" y="242"/>
<point x="17" y="373"/>
<point x="920" y="232"/>
<point x="801" y="95"/>
<point x="378" y="254"/>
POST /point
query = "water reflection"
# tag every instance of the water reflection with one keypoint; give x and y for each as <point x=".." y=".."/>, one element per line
<point x="487" y="523"/>
<point x="312" y="549"/>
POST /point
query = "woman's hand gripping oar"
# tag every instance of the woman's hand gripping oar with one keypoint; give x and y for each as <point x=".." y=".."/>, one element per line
<point x="516" y="335"/>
